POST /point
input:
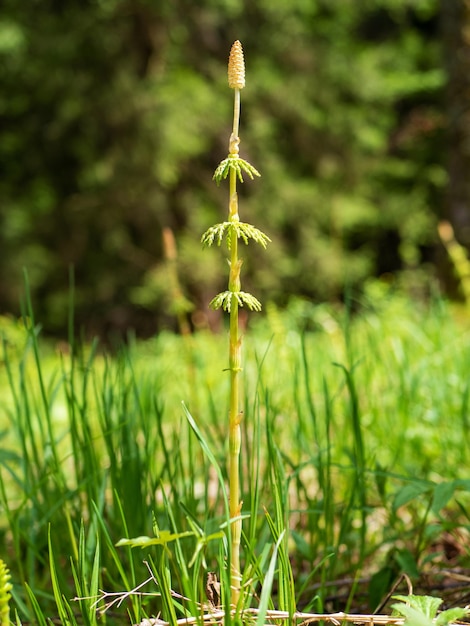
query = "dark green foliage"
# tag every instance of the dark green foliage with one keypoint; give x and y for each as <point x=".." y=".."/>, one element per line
<point x="113" y="118"/>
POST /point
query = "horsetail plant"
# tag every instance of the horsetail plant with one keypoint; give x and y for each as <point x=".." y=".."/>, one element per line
<point x="5" y="595"/>
<point x="230" y="300"/>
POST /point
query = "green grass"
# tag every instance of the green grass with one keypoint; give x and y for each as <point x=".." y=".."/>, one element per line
<point x="354" y="448"/>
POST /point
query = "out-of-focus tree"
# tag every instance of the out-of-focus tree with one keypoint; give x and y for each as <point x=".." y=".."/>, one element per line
<point x="456" y="39"/>
<point x="113" y="115"/>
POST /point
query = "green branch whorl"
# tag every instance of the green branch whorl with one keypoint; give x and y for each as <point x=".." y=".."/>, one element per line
<point x="241" y="230"/>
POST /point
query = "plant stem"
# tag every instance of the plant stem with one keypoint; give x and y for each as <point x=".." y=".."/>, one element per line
<point x="5" y="595"/>
<point x="231" y="300"/>
<point x="235" y="369"/>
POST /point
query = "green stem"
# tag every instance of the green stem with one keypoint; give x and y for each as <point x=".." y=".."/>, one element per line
<point x="236" y="112"/>
<point x="5" y="595"/>
<point x="230" y="301"/>
<point x="235" y="369"/>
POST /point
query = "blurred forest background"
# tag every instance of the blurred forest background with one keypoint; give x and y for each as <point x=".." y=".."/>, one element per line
<point x="115" y="113"/>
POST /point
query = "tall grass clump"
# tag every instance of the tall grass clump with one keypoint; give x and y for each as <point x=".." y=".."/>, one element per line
<point x="231" y="231"/>
<point x="363" y="472"/>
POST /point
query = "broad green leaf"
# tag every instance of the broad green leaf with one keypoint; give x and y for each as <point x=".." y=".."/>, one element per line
<point x="412" y="616"/>
<point x="442" y="493"/>
<point x="410" y="492"/>
<point x="451" y="615"/>
<point x="426" y="605"/>
<point x="407" y="562"/>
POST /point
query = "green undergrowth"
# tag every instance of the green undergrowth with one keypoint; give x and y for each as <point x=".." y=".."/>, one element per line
<point x="354" y="444"/>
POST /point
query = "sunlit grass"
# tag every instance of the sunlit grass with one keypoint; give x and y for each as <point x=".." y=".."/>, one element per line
<point x="356" y="449"/>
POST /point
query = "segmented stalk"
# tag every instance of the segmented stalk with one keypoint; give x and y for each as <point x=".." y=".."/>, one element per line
<point x="231" y="231"/>
<point x="5" y="595"/>
<point x="236" y="80"/>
